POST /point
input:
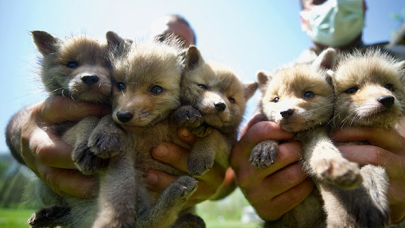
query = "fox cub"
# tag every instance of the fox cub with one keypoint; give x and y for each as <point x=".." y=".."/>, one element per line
<point x="80" y="68"/>
<point x="147" y="90"/>
<point x="213" y="103"/>
<point x="370" y="93"/>
<point x="300" y="98"/>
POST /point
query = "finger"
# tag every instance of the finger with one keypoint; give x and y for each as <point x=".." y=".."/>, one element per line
<point x="391" y="141"/>
<point x="70" y="182"/>
<point x="186" y="136"/>
<point x="176" y="156"/>
<point x="278" y="182"/>
<point x="157" y="180"/>
<point x="369" y="154"/>
<point x="57" y="109"/>
<point x="171" y="154"/>
<point x="248" y="175"/>
<point x="284" y="202"/>
<point x="256" y="118"/>
<point x="257" y="133"/>
<point x="50" y="150"/>
<point x="265" y="130"/>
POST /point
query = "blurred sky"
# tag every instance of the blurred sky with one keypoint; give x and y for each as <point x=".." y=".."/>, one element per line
<point x="246" y="35"/>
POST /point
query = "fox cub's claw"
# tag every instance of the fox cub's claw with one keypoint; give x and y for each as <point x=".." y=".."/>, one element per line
<point x="341" y="173"/>
<point x="264" y="154"/>
<point x="187" y="116"/>
<point x="106" y="144"/>
<point x="202" y="131"/>
<point x="184" y="187"/>
<point x="198" y="165"/>
<point x="86" y="161"/>
<point x="179" y="191"/>
<point x="48" y="217"/>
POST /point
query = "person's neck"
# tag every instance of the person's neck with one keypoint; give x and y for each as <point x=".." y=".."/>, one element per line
<point x="356" y="43"/>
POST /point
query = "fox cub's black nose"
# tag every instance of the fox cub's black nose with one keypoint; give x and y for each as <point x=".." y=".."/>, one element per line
<point x="124" y="116"/>
<point x="220" y="106"/>
<point x="90" y="79"/>
<point x="287" y="113"/>
<point x="387" y="101"/>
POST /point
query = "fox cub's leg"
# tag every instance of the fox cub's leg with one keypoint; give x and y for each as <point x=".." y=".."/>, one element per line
<point x="49" y="217"/>
<point x="118" y="194"/>
<point x="82" y="156"/>
<point x="166" y="209"/>
<point x="107" y="138"/>
<point x="326" y="163"/>
<point x="207" y="149"/>
<point x="366" y="206"/>
<point x="264" y="154"/>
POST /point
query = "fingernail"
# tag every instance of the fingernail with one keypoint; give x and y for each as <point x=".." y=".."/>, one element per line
<point x="151" y="179"/>
<point x="160" y="151"/>
<point x="184" y="132"/>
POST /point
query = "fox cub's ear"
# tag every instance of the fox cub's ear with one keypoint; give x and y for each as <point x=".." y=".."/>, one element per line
<point x="118" y="45"/>
<point x="327" y="60"/>
<point x="249" y="90"/>
<point x="192" y="58"/>
<point x="263" y="77"/>
<point x="45" y="42"/>
<point x="401" y="67"/>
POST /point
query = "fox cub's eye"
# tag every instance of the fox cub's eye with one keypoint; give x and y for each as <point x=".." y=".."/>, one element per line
<point x="156" y="89"/>
<point x="352" y="90"/>
<point x="276" y="99"/>
<point x="390" y="87"/>
<point x="231" y="100"/>
<point x="72" y="64"/>
<point x="202" y="86"/>
<point x="121" y="86"/>
<point x="309" y="94"/>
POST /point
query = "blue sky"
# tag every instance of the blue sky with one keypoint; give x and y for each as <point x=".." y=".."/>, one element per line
<point x="246" y="35"/>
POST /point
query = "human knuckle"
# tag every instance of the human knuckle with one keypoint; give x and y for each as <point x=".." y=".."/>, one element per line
<point x="51" y="180"/>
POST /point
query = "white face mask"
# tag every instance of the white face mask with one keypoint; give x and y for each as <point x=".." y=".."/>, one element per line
<point x="335" y="22"/>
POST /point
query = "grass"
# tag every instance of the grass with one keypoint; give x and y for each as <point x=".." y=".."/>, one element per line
<point x="17" y="218"/>
<point x="14" y="218"/>
<point x="224" y="213"/>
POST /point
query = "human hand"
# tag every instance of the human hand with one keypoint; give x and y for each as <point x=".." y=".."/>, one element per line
<point x="169" y="153"/>
<point x="279" y="188"/>
<point x="387" y="150"/>
<point x="47" y="155"/>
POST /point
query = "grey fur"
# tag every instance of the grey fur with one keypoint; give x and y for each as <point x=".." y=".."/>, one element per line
<point x="300" y="99"/>
<point x="371" y="72"/>
<point x="78" y="67"/>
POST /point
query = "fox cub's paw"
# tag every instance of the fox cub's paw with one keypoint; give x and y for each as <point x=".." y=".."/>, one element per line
<point x="189" y="221"/>
<point x="180" y="190"/>
<point x="185" y="186"/>
<point x="187" y="116"/>
<point x="339" y="172"/>
<point x="371" y="216"/>
<point x="48" y="217"/>
<point x="107" y="143"/>
<point x="201" y="131"/>
<point x="264" y="154"/>
<point x="199" y="163"/>
<point x="86" y="161"/>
